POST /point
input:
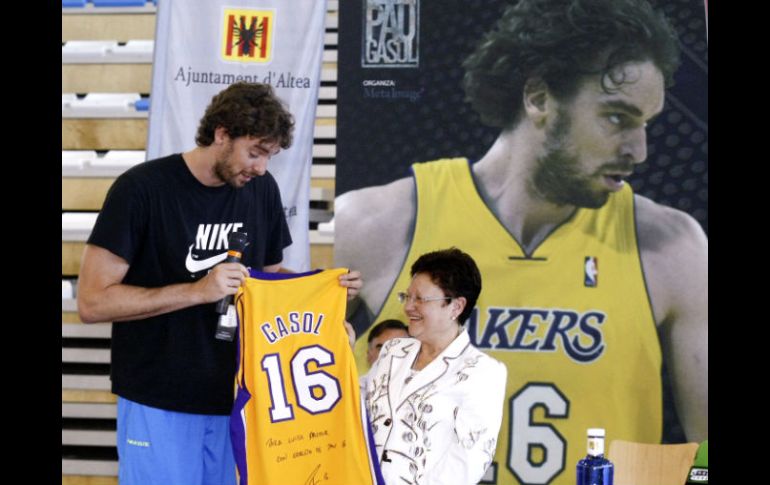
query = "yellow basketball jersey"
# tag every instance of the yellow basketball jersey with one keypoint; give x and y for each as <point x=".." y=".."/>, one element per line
<point x="298" y="417"/>
<point x="572" y="322"/>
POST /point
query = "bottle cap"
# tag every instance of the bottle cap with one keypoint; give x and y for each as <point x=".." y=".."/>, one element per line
<point x="596" y="432"/>
<point x="595" y="441"/>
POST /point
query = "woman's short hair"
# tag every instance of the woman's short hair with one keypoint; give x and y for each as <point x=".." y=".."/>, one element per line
<point x="455" y="272"/>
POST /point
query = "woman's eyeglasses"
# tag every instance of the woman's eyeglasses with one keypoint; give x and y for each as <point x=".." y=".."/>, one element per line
<point x="419" y="300"/>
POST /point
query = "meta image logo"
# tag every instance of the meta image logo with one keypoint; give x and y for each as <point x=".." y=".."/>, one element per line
<point x="247" y="35"/>
<point x="391" y="33"/>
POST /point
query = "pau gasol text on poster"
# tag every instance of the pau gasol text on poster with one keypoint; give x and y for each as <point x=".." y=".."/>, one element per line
<point x="391" y="33"/>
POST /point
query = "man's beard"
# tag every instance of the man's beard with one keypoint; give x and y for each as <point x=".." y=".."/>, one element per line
<point x="222" y="168"/>
<point x="558" y="177"/>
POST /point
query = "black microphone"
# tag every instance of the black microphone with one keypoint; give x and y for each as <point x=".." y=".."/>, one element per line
<point x="236" y="242"/>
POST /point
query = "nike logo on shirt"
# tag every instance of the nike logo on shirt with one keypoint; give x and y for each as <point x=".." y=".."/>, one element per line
<point x="195" y="265"/>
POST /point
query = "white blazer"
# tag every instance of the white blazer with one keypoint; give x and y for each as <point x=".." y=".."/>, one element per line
<point x="440" y="427"/>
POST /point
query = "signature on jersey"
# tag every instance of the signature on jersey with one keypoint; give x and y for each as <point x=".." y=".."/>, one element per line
<point x="314" y="478"/>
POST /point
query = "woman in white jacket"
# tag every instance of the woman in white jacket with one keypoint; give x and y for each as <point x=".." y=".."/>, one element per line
<point x="435" y="401"/>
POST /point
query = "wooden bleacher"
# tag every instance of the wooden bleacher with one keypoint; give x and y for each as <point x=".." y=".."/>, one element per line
<point x="89" y="456"/>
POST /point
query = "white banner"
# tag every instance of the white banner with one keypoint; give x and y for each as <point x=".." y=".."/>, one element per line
<point x="202" y="46"/>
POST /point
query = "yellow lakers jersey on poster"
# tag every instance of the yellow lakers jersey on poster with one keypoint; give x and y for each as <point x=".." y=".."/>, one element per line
<point x="572" y="322"/>
<point x="298" y="417"/>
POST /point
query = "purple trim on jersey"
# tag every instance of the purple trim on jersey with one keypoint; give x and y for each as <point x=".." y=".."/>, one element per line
<point x="260" y="275"/>
<point x="238" y="433"/>
<point x="238" y="343"/>
<point x="372" y="449"/>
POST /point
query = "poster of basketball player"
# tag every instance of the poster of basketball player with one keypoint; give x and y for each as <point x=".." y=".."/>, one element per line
<point x="564" y="145"/>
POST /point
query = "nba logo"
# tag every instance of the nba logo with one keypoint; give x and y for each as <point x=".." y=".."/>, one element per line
<point x="591" y="272"/>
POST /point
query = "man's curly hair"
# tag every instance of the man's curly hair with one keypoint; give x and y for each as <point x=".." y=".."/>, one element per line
<point x="559" y="42"/>
<point x="247" y="109"/>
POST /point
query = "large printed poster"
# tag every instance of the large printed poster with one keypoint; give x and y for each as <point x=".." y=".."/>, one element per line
<point x="401" y="101"/>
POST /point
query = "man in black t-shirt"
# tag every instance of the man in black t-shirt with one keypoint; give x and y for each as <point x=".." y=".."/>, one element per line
<point x="153" y="265"/>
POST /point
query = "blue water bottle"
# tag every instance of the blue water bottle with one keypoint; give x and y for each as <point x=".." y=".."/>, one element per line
<point x="595" y="469"/>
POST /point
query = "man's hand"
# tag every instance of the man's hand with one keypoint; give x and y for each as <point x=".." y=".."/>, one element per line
<point x="353" y="282"/>
<point x="223" y="279"/>
<point x="103" y="297"/>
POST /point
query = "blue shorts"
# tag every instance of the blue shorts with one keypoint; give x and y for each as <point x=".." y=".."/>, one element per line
<point x="159" y="447"/>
